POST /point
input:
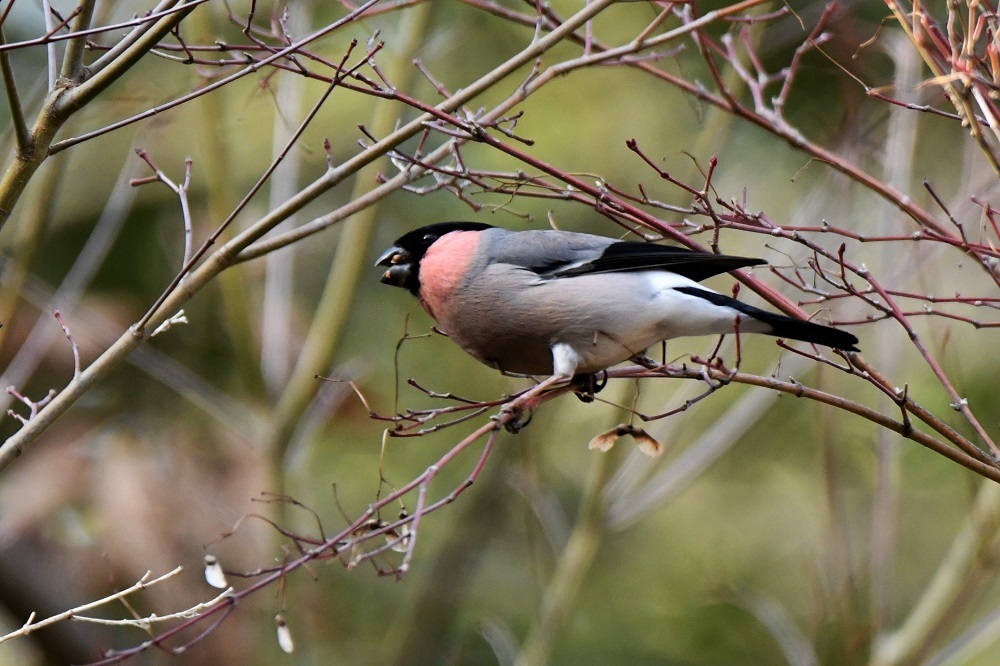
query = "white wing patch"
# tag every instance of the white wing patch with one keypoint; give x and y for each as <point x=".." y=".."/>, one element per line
<point x="663" y="280"/>
<point x="685" y="314"/>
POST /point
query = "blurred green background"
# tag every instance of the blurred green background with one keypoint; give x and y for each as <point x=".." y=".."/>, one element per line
<point x="734" y="547"/>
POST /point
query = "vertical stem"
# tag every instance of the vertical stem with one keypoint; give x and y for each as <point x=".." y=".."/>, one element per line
<point x="350" y="259"/>
<point x="26" y="162"/>
<point x="837" y="566"/>
<point x="72" y="68"/>
<point x="29" y="232"/>
<point x="897" y="166"/>
<point x="276" y="312"/>
<point x="221" y="197"/>
<point x="574" y="563"/>
<point x="21" y="134"/>
<point x="939" y="605"/>
<point x="50" y="48"/>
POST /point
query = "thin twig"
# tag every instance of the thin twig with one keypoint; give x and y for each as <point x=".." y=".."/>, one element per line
<point x="21" y="134"/>
<point x="143" y="583"/>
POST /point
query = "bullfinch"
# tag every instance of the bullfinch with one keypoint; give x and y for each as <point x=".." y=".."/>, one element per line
<point x="559" y="303"/>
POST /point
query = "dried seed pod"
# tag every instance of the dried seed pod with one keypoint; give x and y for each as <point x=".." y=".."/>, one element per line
<point x="646" y="442"/>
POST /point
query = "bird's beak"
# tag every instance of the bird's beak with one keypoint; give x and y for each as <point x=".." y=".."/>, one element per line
<point x="394" y="255"/>
<point x="398" y="261"/>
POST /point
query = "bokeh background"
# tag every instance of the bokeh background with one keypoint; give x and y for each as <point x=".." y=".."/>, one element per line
<point x="773" y="530"/>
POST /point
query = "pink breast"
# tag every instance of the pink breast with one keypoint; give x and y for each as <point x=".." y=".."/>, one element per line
<point x="443" y="268"/>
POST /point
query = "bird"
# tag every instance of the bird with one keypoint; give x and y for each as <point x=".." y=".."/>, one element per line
<point x="567" y="304"/>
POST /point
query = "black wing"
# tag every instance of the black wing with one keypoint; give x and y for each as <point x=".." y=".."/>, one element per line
<point x="624" y="256"/>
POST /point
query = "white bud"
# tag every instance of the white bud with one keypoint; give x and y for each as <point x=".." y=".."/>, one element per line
<point x="284" y="635"/>
<point x="214" y="574"/>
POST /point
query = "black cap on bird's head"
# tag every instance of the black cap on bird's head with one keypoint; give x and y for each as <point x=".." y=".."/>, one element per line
<point x="403" y="258"/>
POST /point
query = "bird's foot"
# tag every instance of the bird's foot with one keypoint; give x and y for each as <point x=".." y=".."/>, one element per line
<point x="515" y="418"/>
<point x="586" y="386"/>
<point x="511" y="415"/>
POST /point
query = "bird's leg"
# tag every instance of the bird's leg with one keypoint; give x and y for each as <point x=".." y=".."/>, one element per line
<point x="565" y="361"/>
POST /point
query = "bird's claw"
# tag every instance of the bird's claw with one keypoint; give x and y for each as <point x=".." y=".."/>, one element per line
<point x="513" y="418"/>
<point x="586" y="386"/>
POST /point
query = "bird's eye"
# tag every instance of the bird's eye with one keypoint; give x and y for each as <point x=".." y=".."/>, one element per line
<point x="429" y="238"/>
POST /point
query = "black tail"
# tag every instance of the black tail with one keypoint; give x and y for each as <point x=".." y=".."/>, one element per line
<point x="782" y="326"/>
<point x="806" y="331"/>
